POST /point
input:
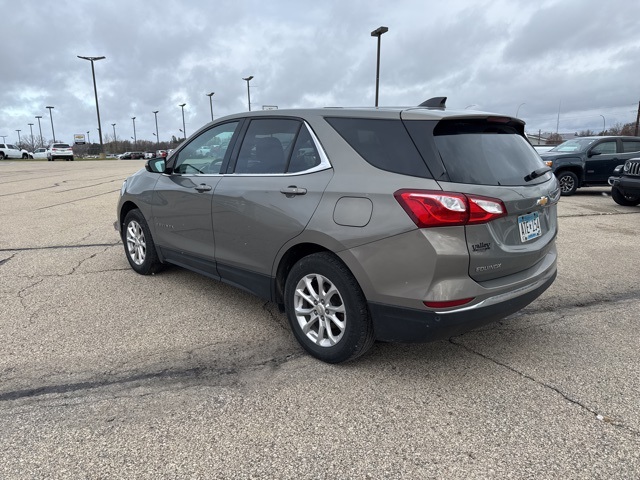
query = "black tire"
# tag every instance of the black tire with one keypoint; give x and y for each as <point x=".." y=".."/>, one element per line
<point x="568" y="183"/>
<point x="346" y="305"/>
<point x="138" y="244"/>
<point x="624" y="200"/>
<point x="25" y="156"/>
<point x="2" y="157"/>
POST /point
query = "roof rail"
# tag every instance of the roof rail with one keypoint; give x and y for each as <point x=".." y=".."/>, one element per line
<point x="435" y="102"/>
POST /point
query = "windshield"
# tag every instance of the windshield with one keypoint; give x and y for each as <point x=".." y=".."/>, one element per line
<point x="576" y="145"/>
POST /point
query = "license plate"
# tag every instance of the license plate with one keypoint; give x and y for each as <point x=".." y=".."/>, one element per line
<point x="529" y="226"/>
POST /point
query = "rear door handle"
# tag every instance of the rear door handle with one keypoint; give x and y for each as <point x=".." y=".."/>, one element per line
<point x="203" y="187"/>
<point x="292" y="191"/>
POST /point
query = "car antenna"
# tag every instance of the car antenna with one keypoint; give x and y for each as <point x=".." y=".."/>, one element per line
<point x="435" y="102"/>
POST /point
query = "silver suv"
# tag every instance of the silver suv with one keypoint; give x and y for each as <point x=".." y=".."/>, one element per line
<point x="400" y="225"/>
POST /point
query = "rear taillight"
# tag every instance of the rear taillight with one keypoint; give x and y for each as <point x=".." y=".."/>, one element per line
<point x="428" y="208"/>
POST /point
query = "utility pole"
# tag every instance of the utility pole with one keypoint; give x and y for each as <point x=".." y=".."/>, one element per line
<point x="637" y="119"/>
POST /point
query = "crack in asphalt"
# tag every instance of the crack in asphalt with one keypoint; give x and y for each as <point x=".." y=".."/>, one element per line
<point x="139" y="379"/>
<point x="602" y="214"/>
<point x="5" y="260"/>
<point x="58" y="247"/>
<point x="566" y="396"/>
<point x="78" y="199"/>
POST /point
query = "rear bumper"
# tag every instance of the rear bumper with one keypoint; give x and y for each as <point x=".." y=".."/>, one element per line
<point x="406" y="325"/>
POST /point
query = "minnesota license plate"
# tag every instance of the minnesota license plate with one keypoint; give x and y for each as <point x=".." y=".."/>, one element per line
<point x="529" y="226"/>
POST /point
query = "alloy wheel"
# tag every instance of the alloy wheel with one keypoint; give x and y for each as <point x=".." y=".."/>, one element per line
<point x="136" y="243"/>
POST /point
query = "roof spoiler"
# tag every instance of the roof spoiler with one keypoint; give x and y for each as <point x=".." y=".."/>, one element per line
<point x="435" y="102"/>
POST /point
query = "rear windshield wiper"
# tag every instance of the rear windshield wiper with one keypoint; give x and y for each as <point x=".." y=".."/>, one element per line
<point x="537" y="173"/>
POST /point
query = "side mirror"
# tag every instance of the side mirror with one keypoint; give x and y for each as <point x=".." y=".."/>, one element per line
<point x="155" y="165"/>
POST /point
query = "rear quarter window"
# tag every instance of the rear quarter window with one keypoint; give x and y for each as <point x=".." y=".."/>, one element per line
<point x="383" y="143"/>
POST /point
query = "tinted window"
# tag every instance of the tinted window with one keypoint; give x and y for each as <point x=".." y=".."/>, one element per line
<point x="577" y="145"/>
<point x="385" y="144"/>
<point x="629" y="146"/>
<point x="605" y="148"/>
<point x="304" y="155"/>
<point x="205" y="153"/>
<point x="266" y="145"/>
<point x="483" y="152"/>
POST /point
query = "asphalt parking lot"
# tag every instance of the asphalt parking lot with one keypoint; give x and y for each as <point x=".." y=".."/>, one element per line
<point x="106" y="373"/>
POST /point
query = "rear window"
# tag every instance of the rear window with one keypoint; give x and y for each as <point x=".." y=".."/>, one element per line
<point x="384" y="143"/>
<point x="481" y="151"/>
<point x="61" y="145"/>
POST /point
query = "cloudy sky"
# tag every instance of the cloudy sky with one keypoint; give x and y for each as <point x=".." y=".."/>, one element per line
<point x="578" y="58"/>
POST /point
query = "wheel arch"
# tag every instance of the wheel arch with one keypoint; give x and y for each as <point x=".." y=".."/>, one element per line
<point x="124" y="210"/>
<point x="575" y="169"/>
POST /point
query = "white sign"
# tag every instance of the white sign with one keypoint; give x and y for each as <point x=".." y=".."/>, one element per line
<point x="78" y="139"/>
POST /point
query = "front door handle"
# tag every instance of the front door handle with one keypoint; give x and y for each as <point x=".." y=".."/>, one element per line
<point x="292" y="191"/>
<point x="203" y="187"/>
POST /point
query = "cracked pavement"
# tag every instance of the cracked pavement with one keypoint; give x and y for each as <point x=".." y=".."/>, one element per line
<point x="106" y="373"/>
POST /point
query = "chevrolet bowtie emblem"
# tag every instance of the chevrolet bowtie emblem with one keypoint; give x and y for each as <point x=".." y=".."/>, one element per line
<point x="542" y="201"/>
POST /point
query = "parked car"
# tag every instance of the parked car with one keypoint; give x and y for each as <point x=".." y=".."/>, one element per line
<point x="394" y="224"/>
<point x="8" y="150"/>
<point x="625" y="183"/>
<point x="40" y="153"/>
<point x="26" y="153"/>
<point x="589" y="161"/>
<point x="161" y="153"/>
<point x="61" y="151"/>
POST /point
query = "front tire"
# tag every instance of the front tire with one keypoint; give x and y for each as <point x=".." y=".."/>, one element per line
<point x="25" y="156"/>
<point x="568" y="183"/>
<point x="624" y="200"/>
<point x="2" y="156"/>
<point x="138" y="244"/>
<point x="327" y="310"/>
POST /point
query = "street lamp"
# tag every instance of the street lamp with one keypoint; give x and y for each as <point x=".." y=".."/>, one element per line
<point x="604" y="128"/>
<point x="40" y="127"/>
<point x="115" y="142"/>
<point x="19" y="141"/>
<point x="31" y="129"/>
<point x="4" y="138"/>
<point x="88" y="138"/>
<point x="155" y="112"/>
<point x="135" y="140"/>
<point x="184" y="128"/>
<point x="210" y="103"/>
<point x="378" y="33"/>
<point x="53" y="132"/>
<point x="248" y="79"/>
<point x="95" y="90"/>
<point x="518" y="109"/>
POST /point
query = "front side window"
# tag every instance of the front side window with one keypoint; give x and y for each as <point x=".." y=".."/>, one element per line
<point x="205" y="153"/>
<point x="605" y="148"/>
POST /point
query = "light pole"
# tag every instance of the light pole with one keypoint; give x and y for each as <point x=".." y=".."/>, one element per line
<point x="210" y="103"/>
<point x="378" y="33"/>
<point x="31" y="129"/>
<point x="4" y="138"/>
<point x="19" y="141"/>
<point x="115" y="142"/>
<point x="95" y="90"/>
<point x="53" y="132"/>
<point x="604" y="125"/>
<point x="40" y="127"/>
<point x="518" y="109"/>
<point x="248" y="79"/>
<point x="184" y="128"/>
<point x="135" y="140"/>
<point x="88" y="138"/>
<point x="155" y="112"/>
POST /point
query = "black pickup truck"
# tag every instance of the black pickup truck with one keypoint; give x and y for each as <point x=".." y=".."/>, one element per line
<point x="589" y="161"/>
<point x="625" y="183"/>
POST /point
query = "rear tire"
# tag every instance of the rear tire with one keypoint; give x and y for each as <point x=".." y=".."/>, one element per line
<point x="138" y="244"/>
<point x="568" y="183"/>
<point x="624" y="200"/>
<point x="25" y="156"/>
<point x="327" y="310"/>
<point x="2" y="157"/>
